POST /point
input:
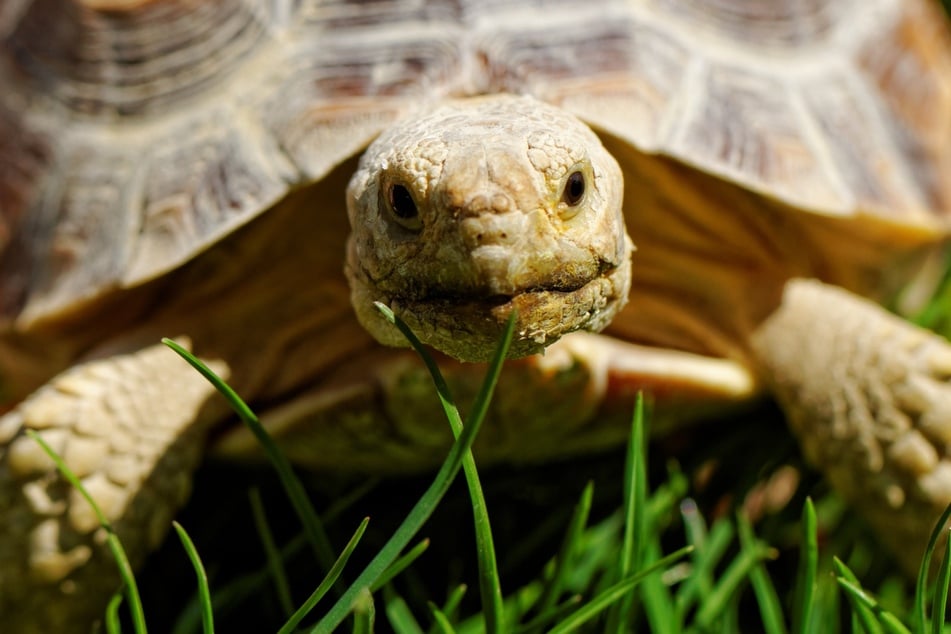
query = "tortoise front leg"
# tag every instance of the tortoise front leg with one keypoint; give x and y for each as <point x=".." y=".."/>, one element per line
<point x="127" y="425"/>
<point x="868" y="396"/>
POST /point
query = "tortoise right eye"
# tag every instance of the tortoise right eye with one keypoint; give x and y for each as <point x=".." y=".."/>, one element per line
<point x="403" y="207"/>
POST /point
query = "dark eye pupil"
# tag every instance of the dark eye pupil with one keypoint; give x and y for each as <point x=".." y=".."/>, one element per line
<point x="402" y="203"/>
<point x="574" y="188"/>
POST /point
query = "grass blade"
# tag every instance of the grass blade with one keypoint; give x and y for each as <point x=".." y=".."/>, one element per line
<point x="274" y="562"/>
<point x="614" y="593"/>
<point x="940" y="600"/>
<point x="364" y="613"/>
<point x="635" y="491"/>
<point x="770" y="608"/>
<point x="576" y="525"/>
<point x="862" y="611"/>
<point x="441" y="622"/>
<point x="204" y="594"/>
<point x="655" y="596"/>
<point x="918" y="617"/>
<point x="870" y="615"/>
<point x="889" y="623"/>
<point x="292" y="485"/>
<point x="805" y="592"/>
<point x="489" y="583"/>
<point x="450" y="609"/>
<point x="425" y="505"/>
<point x="332" y="575"/>
<point x="112" y="540"/>
<point x="635" y="520"/>
<point x="113" y="624"/>
<point x="552" y="615"/>
<point x="715" y="605"/>
<point x="707" y="554"/>
<point x="709" y="545"/>
<point x="400" y="565"/>
<point x="398" y="613"/>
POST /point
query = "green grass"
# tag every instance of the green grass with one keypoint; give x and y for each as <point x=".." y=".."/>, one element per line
<point x="635" y="547"/>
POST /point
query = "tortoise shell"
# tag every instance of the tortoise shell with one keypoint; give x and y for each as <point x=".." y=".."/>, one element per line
<point x="133" y="135"/>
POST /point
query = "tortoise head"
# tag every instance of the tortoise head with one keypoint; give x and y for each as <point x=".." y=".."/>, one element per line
<point x="480" y="207"/>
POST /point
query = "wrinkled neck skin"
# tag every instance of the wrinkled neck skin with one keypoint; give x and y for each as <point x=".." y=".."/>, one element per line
<point x="482" y="207"/>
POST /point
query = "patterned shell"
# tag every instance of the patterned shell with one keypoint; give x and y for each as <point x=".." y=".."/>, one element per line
<point x="133" y="134"/>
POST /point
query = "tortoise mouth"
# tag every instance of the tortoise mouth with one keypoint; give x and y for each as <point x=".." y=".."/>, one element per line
<point x="469" y="327"/>
<point x="562" y="282"/>
<point x="468" y="322"/>
<point x="492" y="300"/>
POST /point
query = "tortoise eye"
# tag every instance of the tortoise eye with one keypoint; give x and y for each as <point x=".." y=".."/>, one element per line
<point x="574" y="189"/>
<point x="404" y="208"/>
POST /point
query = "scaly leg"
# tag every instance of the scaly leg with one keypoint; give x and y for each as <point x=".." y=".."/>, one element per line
<point x="869" y="397"/>
<point x="126" y="425"/>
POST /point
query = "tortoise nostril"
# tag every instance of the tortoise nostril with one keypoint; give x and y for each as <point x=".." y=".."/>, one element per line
<point x="491" y="229"/>
<point x="484" y="204"/>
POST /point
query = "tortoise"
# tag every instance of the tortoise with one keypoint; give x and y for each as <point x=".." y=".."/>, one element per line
<point x="194" y="169"/>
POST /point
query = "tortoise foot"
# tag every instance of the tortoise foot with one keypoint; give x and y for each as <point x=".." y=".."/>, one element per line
<point x="869" y="397"/>
<point x="125" y="426"/>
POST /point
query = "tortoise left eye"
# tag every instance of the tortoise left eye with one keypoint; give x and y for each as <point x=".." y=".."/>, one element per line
<point x="402" y="203"/>
<point x="574" y="189"/>
<point x="403" y="207"/>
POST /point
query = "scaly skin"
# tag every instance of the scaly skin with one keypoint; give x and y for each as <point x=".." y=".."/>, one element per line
<point x="493" y="228"/>
<point x="129" y="426"/>
<point x="869" y="398"/>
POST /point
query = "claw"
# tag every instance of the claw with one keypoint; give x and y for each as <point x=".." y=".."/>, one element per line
<point x="25" y="457"/>
<point x="939" y="362"/>
<point x="913" y="453"/>
<point x="935" y="423"/>
<point x="937" y="484"/>
<point x="49" y="561"/>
